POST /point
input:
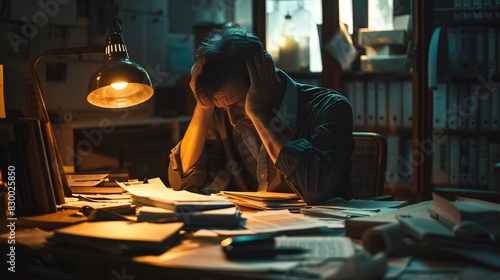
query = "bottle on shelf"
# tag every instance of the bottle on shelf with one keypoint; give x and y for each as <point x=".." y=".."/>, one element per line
<point x="302" y="20"/>
<point x="274" y="23"/>
<point x="288" y="47"/>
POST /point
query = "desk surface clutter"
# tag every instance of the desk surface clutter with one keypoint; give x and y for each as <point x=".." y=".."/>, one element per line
<point x="192" y="236"/>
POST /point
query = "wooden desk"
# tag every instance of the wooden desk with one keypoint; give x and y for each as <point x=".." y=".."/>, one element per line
<point x="73" y="262"/>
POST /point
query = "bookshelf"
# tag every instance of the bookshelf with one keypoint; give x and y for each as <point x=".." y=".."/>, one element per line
<point x="466" y="101"/>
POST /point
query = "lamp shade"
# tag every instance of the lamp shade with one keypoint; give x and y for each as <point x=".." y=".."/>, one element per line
<point x="120" y="82"/>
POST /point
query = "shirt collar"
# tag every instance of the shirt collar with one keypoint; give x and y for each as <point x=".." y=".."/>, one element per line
<point x="287" y="113"/>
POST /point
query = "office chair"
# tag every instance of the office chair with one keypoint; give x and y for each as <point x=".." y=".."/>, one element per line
<point x="369" y="160"/>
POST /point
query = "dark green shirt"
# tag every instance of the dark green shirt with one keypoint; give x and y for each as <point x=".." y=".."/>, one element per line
<point x="315" y="164"/>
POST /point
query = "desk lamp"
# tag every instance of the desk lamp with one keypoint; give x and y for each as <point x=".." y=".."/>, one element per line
<point x="119" y="83"/>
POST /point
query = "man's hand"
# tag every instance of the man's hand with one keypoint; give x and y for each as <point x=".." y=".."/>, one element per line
<point x="263" y="85"/>
<point x="201" y="102"/>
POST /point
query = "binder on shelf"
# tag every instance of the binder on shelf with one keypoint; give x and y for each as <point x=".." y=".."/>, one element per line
<point x="437" y="61"/>
<point x="441" y="162"/>
<point x="453" y="47"/>
<point x="371" y="104"/>
<point x="497" y="12"/>
<point x="451" y="112"/>
<point x="359" y="103"/>
<point x="482" y="162"/>
<point x="407" y="104"/>
<point x="478" y="12"/>
<point x="394" y="117"/>
<point x="491" y="52"/>
<point x="467" y="5"/>
<point x="485" y="108"/>
<point x="488" y="13"/>
<point x="348" y="91"/>
<point x="464" y="52"/>
<point x="464" y="161"/>
<point x="454" y="160"/>
<point x="471" y="106"/>
<point x="381" y="104"/>
<point x="494" y="161"/>
<point x="462" y="110"/>
<point x="478" y="58"/>
<point x="498" y="44"/>
<point x="391" y="175"/>
<point x="440" y="102"/>
<point x="457" y="4"/>
<point x="473" y="161"/>
<point x="404" y="171"/>
<point x="495" y="114"/>
<point x="349" y="94"/>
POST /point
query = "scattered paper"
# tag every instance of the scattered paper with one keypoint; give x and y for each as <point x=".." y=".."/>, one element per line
<point x="85" y="180"/>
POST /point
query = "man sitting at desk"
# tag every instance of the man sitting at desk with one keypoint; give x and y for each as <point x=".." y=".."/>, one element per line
<point x="255" y="129"/>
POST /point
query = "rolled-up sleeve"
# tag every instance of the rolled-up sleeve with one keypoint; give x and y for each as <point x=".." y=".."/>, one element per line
<point x="193" y="179"/>
<point x="317" y="166"/>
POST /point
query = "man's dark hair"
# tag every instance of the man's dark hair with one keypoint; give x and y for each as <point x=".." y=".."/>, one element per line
<point x="223" y="54"/>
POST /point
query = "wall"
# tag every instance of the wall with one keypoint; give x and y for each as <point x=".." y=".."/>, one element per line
<point x="158" y="34"/>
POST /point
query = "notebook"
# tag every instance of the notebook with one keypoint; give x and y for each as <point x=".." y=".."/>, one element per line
<point x="121" y="236"/>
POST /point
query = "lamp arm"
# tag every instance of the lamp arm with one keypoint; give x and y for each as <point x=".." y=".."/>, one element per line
<point x="55" y="52"/>
<point x="58" y="177"/>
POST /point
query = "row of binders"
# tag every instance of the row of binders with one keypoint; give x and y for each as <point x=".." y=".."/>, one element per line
<point x="380" y="104"/>
<point x="466" y="162"/>
<point x="473" y="50"/>
<point x="464" y="106"/>
<point x="475" y="9"/>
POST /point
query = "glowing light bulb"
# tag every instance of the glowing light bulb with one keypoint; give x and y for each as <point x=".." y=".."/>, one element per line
<point x="119" y="86"/>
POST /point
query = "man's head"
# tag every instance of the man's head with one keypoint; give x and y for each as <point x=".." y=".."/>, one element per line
<point x="221" y="58"/>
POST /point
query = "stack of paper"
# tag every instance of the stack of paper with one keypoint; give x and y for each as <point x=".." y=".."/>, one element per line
<point x="118" y="203"/>
<point x="227" y="218"/>
<point x="155" y="193"/>
<point x="93" y="184"/>
<point x="264" y="200"/>
<point x="346" y="209"/>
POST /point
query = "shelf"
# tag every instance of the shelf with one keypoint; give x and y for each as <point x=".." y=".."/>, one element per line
<point x="492" y="134"/>
<point x="401" y="131"/>
<point x="376" y="76"/>
<point x="450" y="193"/>
<point x="459" y="10"/>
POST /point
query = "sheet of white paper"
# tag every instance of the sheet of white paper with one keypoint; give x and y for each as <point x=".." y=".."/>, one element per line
<point x="273" y="221"/>
<point x="279" y="220"/>
<point x="155" y="188"/>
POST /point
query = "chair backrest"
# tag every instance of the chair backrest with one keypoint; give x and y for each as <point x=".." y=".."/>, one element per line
<point x="369" y="160"/>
